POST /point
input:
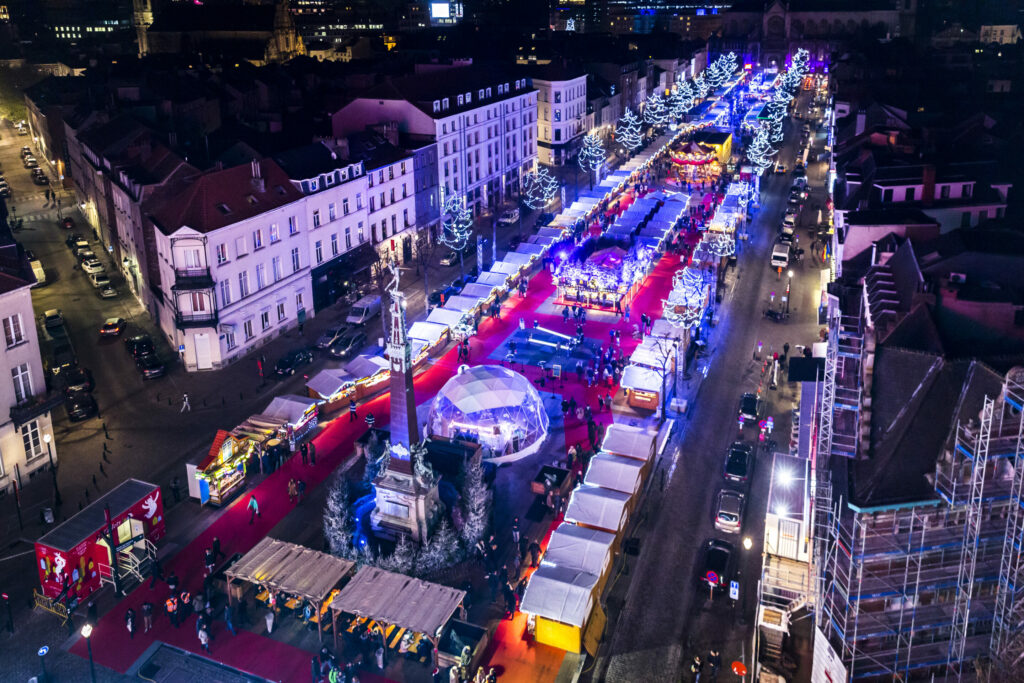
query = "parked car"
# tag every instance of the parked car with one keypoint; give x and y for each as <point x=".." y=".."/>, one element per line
<point x="348" y="345"/>
<point x="83" y="254"/>
<point x="729" y="512"/>
<point x="99" y="280"/>
<point x="508" y="217"/>
<point x="781" y="169"/>
<point x="63" y="358"/>
<point x="53" y="318"/>
<point x="139" y="345"/>
<point x="80" y="406"/>
<point x="73" y="239"/>
<point x="77" y="379"/>
<point x="107" y="291"/>
<point x="750" y="407"/>
<point x="737" y="462"/>
<point x="150" y="366"/>
<point x="330" y="335"/>
<point x="5" y="191"/>
<point x="450" y="259"/>
<point x="91" y="266"/>
<point x="113" y="327"/>
<point x="40" y="178"/>
<point x="715" y="571"/>
<point x="292" y="360"/>
<point x="30" y="162"/>
<point x="544" y="219"/>
<point x="26" y="151"/>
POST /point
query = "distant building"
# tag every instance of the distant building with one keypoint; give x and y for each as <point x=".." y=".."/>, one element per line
<point x="1004" y="34"/>
<point x="25" y="406"/>
<point x="483" y="123"/>
<point x="561" y="112"/>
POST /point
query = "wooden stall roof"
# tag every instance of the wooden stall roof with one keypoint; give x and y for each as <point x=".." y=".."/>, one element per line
<point x="291" y="568"/>
<point x="398" y="599"/>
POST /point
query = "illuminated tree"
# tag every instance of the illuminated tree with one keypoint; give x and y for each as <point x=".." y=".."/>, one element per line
<point x="761" y="150"/>
<point x="684" y="306"/>
<point x="337" y="519"/>
<point x="591" y="156"/>
<point x="627" y="133"/>
<point x="702" y="86"/>
<point x="456" y="227"/>
<point x="539" y="188"/>
<point x="476" y="503"/>
<point x="655" y="113"/>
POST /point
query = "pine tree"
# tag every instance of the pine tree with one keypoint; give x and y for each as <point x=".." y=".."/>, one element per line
<point x="760" y="150"/>
<point x="403" y="560"/>
<point x="591" y="156"/>
<point x="627" y="133"/>
<point x="702" y="86"/>
<point x="439" y="551"/>
<point x="337" y="519"/>
<point x="655" y="113"/>
<point x="456" y="226"/>
<point x="539" y="188"/>
<point x="476" y="503"/>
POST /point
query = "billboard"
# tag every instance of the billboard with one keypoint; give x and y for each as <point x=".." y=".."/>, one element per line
<point x="827" y="666"/>
<point x="440" y="10"/>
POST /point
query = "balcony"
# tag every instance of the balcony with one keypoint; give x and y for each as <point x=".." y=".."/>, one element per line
<point x="30" y="409"/>
<point x="184" y="321"/>
<point x="192" y="278"/>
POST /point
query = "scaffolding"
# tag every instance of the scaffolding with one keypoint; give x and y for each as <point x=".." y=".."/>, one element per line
<point x="1007" y="645"/>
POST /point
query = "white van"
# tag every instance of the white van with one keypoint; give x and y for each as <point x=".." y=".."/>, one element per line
<point x="363" y="310"/>
<point x="780" y="256"/>
<point x="37" y="270"/>
<point x="99" y="280"/>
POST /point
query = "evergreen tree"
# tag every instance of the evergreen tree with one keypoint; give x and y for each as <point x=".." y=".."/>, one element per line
<point x="337" y="519"/>
<point x="539" y="188"/>
<point x="439" y="551"/>
<point x="456" y="226"/>
<point x="702" y="86"/>
<point x="627" y="133"/>
<point x="403" y="560"/>
<point x="476" y="503"/>
<point x="655" y="113"/>
<point x="591" y="156"/>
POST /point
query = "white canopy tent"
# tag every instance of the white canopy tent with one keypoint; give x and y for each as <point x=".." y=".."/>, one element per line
<point x="663" y="329"/>
<point x="574" y="547"/>
<point x="534" y="250"/>
<point x="615" y="472"/>
<point x="446" y="317"/>
<point x="290" y="408"/>
<point x="641" y="379"/>
<point x="330" y="381"/>
<point x="427" y="331"/>
<point x="519" y="259"/>
<point x="492" y="278"/>
<point x="652" y="353"/>
<point x="628" y="441"/>
<point x="547" y="231"/>
<point x="480" y="290"/>
<point x="598" y="508"/>
<point x="542" y="241"/>
<point x="461" y="303"/>
<point x="560" y="594"/>
<point x="509" y="269"/>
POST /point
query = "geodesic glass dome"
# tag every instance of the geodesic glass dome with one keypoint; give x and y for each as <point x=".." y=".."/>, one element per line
<point x="494" y="406"/>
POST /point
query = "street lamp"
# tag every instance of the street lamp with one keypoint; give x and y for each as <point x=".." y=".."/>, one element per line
<point x="789" y="285"/>
<point x="748" y="543"/>
<point x="86" y="632"/>
<point x="47" y="438"/>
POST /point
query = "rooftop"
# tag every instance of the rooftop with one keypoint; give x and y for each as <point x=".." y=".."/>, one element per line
<point x="424" y="88"/>
<point x="310" y="161"/>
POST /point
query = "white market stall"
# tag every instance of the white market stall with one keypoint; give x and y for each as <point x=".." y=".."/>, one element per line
<point x="493" y="278"/>
<point x="447" y="317"/>
<point x="616" y="473"/>
<point x="598" y="508"/>
<point x="563" y="608"/>
<point x="575" y="547"/>
<point x="643" y="386"/>
<point x="296" y="415"/>
<point x="629" y="441"/>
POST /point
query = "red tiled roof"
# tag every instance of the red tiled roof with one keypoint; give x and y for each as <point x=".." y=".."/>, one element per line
<point x="218" y="441"/>
<point x="197" y="201"/>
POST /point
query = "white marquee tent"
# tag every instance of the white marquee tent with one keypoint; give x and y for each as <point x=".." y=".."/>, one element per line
<point x="560" y="594"/>
<point x="615" y="472"/>
<point x="598" y="508"/>
<point x="574" y="547"/>
<point x="629" y="441"/>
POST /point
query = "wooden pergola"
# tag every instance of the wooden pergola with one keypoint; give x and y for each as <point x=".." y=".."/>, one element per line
<point x="396" y="599"/>
<point x="291" y="569"/>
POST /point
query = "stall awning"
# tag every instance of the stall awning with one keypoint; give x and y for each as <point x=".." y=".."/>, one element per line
<point x="573" y="547"/>
<point x="597" y="507"/>
<point x="445" y="316"/>
<point x="560" y="594"/>
<point x="557" y="233"/>
<point x="480" y="291"/>
<point x="505" y="267"/>
<point x="529" y="249"/>
<point x="663" y="329"/>
<point x="84" y="524"/>
<point x="628" y="441"/>
<point x="542" y="241"/>
<point x="615" y="472"/>
<point x="653" y="353"/>
<point x="290" y="408"/>
<point x="397" y="599"/>
<point x="328" y="382"/>
<point x="462" y="303"/>
<point x="492" y="278"/>
<point x="427" y="331"/>
<point x="641" y="378"/>
<point x="291" y="568"/>
<point x="366" y="366"/>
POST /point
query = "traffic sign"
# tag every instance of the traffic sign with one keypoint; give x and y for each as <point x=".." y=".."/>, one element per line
<point x="43" y="650"/>
<point x="734" y="590"/>
<point x="712" y="577"/>
<point x="181" y="348"/>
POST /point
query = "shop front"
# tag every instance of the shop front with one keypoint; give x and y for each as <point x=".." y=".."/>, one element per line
<point x="220" y="475"/>
<point x="342" y="276"/>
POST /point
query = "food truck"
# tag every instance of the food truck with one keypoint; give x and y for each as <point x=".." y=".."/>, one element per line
<point x="75" y="558"/>
<point x="220" y="474"/>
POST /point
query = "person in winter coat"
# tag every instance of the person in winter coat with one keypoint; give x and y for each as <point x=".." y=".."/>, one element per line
<point x="204" y="639"/>
<point x="129" y="622"/>
<point x="147" y="616"/>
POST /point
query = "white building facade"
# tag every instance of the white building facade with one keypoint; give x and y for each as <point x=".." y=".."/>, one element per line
<point x="392" y="207"/>
<point x="561" y="117"/>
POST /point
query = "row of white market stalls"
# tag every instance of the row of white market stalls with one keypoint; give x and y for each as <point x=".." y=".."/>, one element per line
<point x="562" y="599"/>
<point x="259" y="443"/>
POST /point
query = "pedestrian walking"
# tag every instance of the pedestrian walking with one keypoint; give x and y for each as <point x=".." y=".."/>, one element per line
<point x="312" y="453"/>
<point x="172" y="609"/>
<point x="147" y="616"/>
<point x="208" y="562"/>
<point x="293" y="491"/>
<point x="172" y="583"/>
<point x="302" y="488"/>
<point x="228" y="621"/>
<point x="204" y="639"/>
<point x="627" y="310"/>
<point x="370" y="420"/>
<point x="351" y="411"/>
<point x="534" y="554"/>
<point x="215" y="546"/>
<point x="304" y="450"/>
<point x="269" y="617"/>
<point x="254" y="508"/>
<point x="515" y="530"/>
<point x="157" y="572"/>
<point x="129" y="622"/>
<point x="185" y="405"/>
<point x="696" y="668"/>
<point x="715" y="662"/>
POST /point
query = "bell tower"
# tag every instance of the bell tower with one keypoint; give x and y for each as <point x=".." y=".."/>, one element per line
<point x="142" y="19"/>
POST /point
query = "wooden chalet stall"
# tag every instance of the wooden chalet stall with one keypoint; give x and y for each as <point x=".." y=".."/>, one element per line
<point x="298" y="574"/>
<point x="598" y="508"/>
<point x="376" y="598"/>
<point x="563" y="606"/>
<point x="631" y="442"/>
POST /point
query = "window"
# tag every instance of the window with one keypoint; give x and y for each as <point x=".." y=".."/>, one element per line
<point x="393" y="189"/>
<point x="222" y="253"/>
<point x="241" y="249"/>
<point x="229" y="340"/>
<point x="344" y="206"/>
<point x="257" y="239"/>
<point x="910" y="194"/>
<point x="965" y="219"/>
<point x="966" y="191"/>
<point x="332" y="211"/>
<point x="275" y="267"/>
<point x="372" y="205"/>
<point x="437" y="106"/>
<point x="348" y="238"/>
<point x="405" y="217"/>
<point x="293" y="226"/>
<point x="461" y="100"/>
<point x="558" y="97"/>
<point x="243" y="284"/>
<point x="295" y="260"/>
<point x="261" y="276"/>
<point x="334" y="244"/>
<point x="369" y="178"/>
<point x="318" y="249"/>
<point x="944" y="192"/>
<point x="198" y="302"/>
<point x="373" y="229"/>
<point x="265" y="320"/>
<point x="22" y="379"/>
<point x="887" y="195"/>
<point x="394" y="223"/>
<point x="225" y="293"/>
<point x="362" y="236"/>
<point x="403" y="168"/>
<point x="14" y="333"/>
<point x="30" y="437"/>
<point x="281" y="315"/>
<point x="298" y="302"/>
<point x="247" y="329"/>
<point x="558" y="134"/>
<point x="316" y="218"/>
<point x="359" y="200"/>
<point x="275" y="233"/>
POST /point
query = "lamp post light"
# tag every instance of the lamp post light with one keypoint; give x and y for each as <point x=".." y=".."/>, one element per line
<point x="47" y="438"/>
<point x="86" y="633"/>
<point x="748" y="543"/>
<point x="789" y="286"/>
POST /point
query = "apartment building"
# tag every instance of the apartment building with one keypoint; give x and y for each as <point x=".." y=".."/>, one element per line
<point x="232" y="248"/>
<point x="561" y="112"/>
<point x="335" y="209"/>
<point x="391" y="192"/>
<point x="483" y="122"/>
<point x="25" y="422"/>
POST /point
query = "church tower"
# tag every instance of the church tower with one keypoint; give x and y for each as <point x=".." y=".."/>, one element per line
<point x="142" y="19"/>
<point x="406" y="488"/>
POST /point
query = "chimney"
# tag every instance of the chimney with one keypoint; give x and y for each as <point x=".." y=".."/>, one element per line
<point x="862" y="122"/>
<point x="928" y="192"/>
<point x="258" y="183"/>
